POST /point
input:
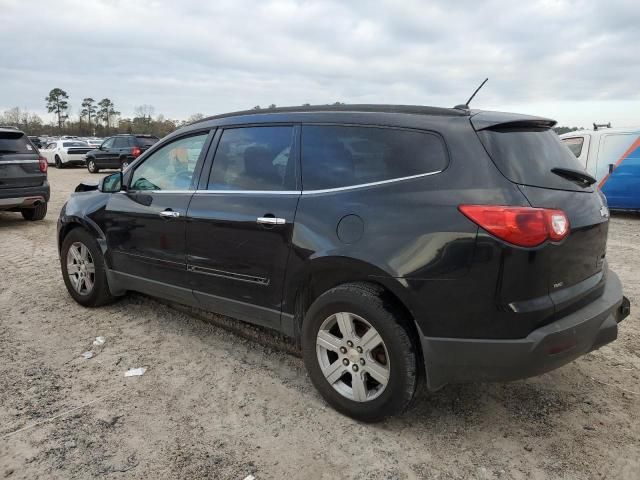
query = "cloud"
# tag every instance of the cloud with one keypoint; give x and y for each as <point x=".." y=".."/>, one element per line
<point x="191" y="56"/>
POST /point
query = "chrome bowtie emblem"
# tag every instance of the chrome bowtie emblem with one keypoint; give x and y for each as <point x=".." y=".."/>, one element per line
<point x="604" y="212"/>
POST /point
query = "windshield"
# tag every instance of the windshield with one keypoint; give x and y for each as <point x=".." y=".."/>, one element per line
<point x="526" y="155"/>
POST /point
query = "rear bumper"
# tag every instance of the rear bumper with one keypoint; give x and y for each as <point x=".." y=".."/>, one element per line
<point x="456" y="360"/>
<point x="26" y="197"/>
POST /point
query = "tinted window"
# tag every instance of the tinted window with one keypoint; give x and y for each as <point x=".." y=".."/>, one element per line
<point x="145" y="141"/>
<point x="574" y="144"/>
<point x="108" y="143"/>
<point x="14" y="142"/>
<point x="340" y="156"/>
<point x="527" y="155"/>
<point x="74" y="144"/>
<point x="121" y="142"/>
<point x="171" y="167"/>
<point x="254" y="158"/>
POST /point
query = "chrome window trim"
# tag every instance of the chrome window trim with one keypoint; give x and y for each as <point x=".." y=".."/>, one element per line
<point x="17" y="162"/>
<point x="295" y="192"/>
<point x="371" y="184"/>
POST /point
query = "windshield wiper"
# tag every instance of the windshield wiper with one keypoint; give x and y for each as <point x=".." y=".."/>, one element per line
<point x="581" y="178"/>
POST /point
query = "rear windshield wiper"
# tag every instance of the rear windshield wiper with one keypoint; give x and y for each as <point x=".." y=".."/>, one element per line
<point x="581" y="178"/>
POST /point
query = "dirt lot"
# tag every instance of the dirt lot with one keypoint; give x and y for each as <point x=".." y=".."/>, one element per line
<point x="215" y="404"/>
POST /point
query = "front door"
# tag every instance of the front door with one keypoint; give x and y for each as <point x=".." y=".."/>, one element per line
<point x="240" y="224"/>
<point x="103" y="154"/>
<point x="145" y="225"/>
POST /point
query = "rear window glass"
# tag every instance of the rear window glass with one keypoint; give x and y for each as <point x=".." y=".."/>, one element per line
<point x="342" y="156"/>
<point x="14" y="142"/>
<point x="146" y="141"/>
<point x="527" y="155"/>
<point x="74" y="144"/>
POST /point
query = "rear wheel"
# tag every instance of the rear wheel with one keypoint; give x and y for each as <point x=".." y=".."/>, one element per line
<point x="36" y="213"/>
<point x="83" y="269"/>
<point x="359" y="352"/>
<point x="91" y="166"/>
<point x="58" y="162"/>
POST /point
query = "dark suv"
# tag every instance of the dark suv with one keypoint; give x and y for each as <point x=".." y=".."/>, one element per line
<point x="118" y="151"/>
<point x="393" y="242"/>
<point x="23" y="176"/>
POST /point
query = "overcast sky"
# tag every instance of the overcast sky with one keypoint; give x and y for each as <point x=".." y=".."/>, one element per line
<point x="576" y="62"/>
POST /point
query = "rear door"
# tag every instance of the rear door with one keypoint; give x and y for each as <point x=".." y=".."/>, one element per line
<point x="19" y="165"/>
<point x="240" y="223"/>
<point x="526" y="155"/>
<point x="121" y="151"/>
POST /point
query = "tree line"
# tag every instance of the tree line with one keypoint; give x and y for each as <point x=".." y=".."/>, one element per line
<point x="95" y="118"/>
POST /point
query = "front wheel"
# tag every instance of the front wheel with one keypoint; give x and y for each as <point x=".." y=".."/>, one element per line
<point x="359" y="352"/>
<point x="83" y="269"/>
<point x="91" y="166"/>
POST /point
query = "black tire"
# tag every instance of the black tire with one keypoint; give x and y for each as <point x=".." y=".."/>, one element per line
<point x="91" y="166"/>
<point x="58" y="162"/>
<point x="368" y="302"/>
<point x="35" y="213"/>
<point x="99" y="294"/>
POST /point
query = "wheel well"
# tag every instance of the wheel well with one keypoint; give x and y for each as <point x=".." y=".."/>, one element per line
<point x="315" y="285"/>
<point x="66" y="230"/>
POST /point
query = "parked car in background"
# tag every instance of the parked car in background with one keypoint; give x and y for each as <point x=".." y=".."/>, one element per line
<point x="36" y="141"/>
<point x="64" y="153"/>
<point x="93" y="142"/>
<point x="23" y="176"/>
<point x="391" y="242"/>
<point x="118" y="151"/>
<point x="612" y="156"/>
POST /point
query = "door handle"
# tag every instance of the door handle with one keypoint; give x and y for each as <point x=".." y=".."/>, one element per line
<point x="169" y="214"/>
<point x="271" y="221"/>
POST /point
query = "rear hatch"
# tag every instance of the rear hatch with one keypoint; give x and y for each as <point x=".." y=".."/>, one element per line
<point x="19" y="166"/>
<point x="529" y="153"/>
<point x="145" y="141"/>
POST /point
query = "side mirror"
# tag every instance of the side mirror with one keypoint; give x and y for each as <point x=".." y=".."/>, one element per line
<point x="111" y="183"/>
<point x="611" y="167"/>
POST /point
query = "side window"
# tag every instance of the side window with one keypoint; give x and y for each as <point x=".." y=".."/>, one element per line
<point x="254" y="158"/>
<point x="121" y="142"/>
<point x="342" y="156"/>
<point x="574" y="144"/>
<point x="171" y="167"/>
<point x="108" y="143"/>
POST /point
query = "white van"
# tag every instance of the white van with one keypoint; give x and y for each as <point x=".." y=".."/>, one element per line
<point x="612" y="156"/>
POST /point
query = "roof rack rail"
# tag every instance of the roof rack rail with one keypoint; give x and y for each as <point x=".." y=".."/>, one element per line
<point x="596" y="126"/>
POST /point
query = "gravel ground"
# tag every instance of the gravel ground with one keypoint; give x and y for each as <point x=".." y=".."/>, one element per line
<point x="221" y="404"/>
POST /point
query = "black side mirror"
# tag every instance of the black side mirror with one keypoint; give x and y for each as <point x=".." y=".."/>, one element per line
<point x="611" y="167"/>
<point x="111" y="183"/>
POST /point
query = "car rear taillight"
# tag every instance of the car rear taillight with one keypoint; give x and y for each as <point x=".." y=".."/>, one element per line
<point x="522" y="226"/>
<point x="42" y="163"/>
<point x="135" y="151"/>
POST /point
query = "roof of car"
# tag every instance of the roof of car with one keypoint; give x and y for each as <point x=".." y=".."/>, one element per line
<point x="9" y="129"/>
<point x="356" y="108"/>
<point x="590" y="131"/>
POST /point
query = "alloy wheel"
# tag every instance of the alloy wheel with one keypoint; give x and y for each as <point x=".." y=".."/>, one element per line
<point x="81" y="268"/>
<point x="353" y="357"/>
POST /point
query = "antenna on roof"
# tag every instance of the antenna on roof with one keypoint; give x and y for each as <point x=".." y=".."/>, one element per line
<point x="465" y="106"/>
<point x="596" y="126"/>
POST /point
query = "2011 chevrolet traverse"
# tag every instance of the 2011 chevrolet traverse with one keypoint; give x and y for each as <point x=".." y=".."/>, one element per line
<point x="394" y="242"/>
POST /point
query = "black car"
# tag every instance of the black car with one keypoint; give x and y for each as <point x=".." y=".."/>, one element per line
<point x="118" y="151"/>
<point x="393" y="242"/>
<point x="36" y="141"/>
<point x="23" y="176"/>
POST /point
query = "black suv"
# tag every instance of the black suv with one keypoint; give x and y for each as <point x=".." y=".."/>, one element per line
<point x="118" y="151"/>
<point x="393" y="242"/>
<point x="23" y="176"/>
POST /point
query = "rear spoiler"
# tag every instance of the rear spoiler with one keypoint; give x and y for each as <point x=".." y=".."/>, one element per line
<point x="489" y="120"/>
